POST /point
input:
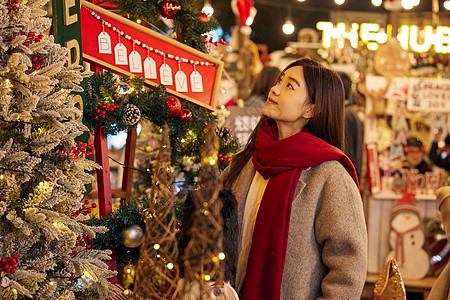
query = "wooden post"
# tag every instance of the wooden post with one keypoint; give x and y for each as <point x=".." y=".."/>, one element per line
<point x="127" y="177"/>
<point x="103" y="175"/>
<point x="104" y="180"/>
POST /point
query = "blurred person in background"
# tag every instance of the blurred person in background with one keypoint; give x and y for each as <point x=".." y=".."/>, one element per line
<point x="261" y="87"/>
<point x="415" y="156"/>
<point x="354" y="130"/>
<point x="440" y="156"/>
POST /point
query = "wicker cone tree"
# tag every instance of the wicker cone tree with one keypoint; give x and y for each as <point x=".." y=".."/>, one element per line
<point x="203" y="253"/>
<point x="157" y="273"/>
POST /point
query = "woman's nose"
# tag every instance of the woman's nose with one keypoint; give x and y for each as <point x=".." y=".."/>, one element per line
<point x="275" y="89"/>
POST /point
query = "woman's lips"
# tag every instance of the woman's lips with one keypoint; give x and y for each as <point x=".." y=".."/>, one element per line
<point x="271" y="101"/>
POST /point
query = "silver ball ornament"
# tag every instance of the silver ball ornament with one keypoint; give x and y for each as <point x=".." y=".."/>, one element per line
<point x="132" y="236"/>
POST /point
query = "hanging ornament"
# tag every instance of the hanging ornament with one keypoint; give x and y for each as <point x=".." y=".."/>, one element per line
<point x="131" y="115"/>
<point x="393" y="5"/>
<point x="170" y="9"/>
<point x="132" y="236"/>
<point x="203" y="17"/>
<point x="173" y="105"/>
<point x="185" y="115"/>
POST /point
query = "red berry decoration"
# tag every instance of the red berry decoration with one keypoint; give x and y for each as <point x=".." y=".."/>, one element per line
<point x="170" y="9"/>
<point x="76" y="151"/>
<point x="185" y="115"/>
<point x="9" y="264"/>
<point x="174" y="106"/>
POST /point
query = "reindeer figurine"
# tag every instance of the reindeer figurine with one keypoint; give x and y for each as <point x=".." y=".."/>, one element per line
<point x="377" y="97"/>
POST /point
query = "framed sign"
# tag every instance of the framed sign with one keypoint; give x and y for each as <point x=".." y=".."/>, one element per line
<point x="429" y="94"/>
<point x="125" y="47"/>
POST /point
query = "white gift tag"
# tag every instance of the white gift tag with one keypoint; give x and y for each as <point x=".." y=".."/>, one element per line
<point x="181" y="82"/>
<point x="135" y="62"/>
<point x="120" y="54"/>
<point x="150" y="68"/>
<point x="196" y="82"/>
<point x="166" y="74"/>
<point x="104" y="43"/>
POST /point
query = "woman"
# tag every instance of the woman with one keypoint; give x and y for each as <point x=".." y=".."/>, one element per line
<point x="303" y="233"/>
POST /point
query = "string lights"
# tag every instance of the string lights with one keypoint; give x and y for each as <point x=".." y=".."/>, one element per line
<point x="288" y="26"/>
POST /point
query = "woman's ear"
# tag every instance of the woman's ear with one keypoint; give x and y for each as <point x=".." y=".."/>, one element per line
<point x="309" y="113"/>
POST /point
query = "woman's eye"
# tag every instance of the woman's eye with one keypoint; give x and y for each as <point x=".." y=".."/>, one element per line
<point x="289" y="85"/>
<point x="217" y="292"/>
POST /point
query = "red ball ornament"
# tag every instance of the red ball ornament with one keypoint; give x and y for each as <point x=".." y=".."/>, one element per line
<point x="185" y="115"/>
<point x="173" y="105"/>
<point x="170" y="9"/>
<point x="203" y="17"/>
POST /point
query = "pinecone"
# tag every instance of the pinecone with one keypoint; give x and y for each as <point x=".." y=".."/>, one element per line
<point x="131" y="115"/>
<point x="224" y="133"/>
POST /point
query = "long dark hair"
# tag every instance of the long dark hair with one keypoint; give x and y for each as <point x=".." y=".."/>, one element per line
<point x="326" y="92"/>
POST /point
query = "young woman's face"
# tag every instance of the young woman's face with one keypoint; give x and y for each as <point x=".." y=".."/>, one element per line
<point x="288" y="99"/>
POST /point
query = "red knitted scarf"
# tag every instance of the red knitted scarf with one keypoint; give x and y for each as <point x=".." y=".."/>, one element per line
<point x="282" y="161"/>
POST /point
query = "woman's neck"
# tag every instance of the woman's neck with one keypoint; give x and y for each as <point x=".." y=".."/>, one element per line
<point x="288" y="129"/>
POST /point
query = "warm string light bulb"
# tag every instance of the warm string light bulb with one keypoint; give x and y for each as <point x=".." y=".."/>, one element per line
<point x="288" y="27"/>
<point x="447" y="4"/>
<point x="409" y="4"/>
<point x="339" y="2"/>
<point x="377" y="2"/>
<point x="207" y="8"/>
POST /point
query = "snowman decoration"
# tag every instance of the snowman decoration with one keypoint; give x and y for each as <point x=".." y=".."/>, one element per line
<point x="406" y="240"/>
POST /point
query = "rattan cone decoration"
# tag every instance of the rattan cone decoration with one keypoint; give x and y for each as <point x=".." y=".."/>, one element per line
<point x="203" y="253"/>
<point x="157" y="272"/>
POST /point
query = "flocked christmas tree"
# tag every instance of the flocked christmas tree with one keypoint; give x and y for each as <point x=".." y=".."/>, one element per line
<point x="44" y="246"/>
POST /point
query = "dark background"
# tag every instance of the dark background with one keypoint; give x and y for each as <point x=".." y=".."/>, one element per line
<point x="271" y="16"/>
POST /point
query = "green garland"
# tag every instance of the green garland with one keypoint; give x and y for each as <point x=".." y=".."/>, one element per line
<point x="186" y="137"/>
<point x="187" y="24"/>
<point x="131" y="212"/>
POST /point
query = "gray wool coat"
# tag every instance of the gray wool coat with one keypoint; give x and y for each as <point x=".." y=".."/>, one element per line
<point x="326" y="255"/>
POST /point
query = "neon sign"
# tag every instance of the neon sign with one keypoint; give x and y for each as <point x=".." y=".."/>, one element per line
<point x="410" y="37"/>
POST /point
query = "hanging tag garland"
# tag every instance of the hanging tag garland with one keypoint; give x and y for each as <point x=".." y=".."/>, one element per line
<point x="150" y="68"/>
<point x="180" y="80"/>
<point x="166" y="74"/>
<point x="104" y="43"/>
<point x="135" y="61"/>
<point x="120" y="54"/>
<point x="196" y="82"/>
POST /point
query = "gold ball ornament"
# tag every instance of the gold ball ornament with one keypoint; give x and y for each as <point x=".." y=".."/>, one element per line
<point x="132" y="236"/>
<point x="391" y="60"/>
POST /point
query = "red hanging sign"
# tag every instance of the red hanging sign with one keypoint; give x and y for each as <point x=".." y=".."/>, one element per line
<point x="125" y="47"/>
